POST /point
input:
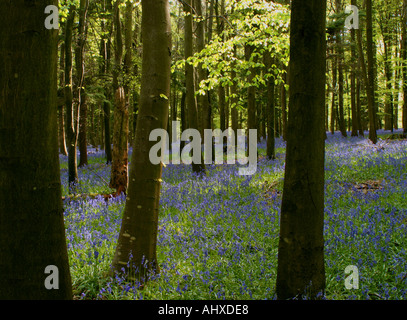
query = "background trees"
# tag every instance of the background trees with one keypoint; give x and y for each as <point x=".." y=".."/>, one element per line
<point x="232" y="77"/>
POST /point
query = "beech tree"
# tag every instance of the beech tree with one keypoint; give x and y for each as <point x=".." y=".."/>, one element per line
<point x="32" y="232"/>
<point x="301" y="244"/>
<point x="71" y="114"/>
<point x="191" y="102"/>
<point x="118" y="178"/>
<point x="137" y="243"/>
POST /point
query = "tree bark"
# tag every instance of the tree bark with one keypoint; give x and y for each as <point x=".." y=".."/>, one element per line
<point x="105" y="52"/>
<point x="80" y="73"/>
<point x="370" y="97"/>
<point x="370" y="85"/>
<point x="301" y="243"/>
<point x="118" y="177"/>
<point x="270" y="111"/>
<point x="61" y="101"/>
<point x="71" y="129"/>
<point x="191" y="105"/>
<point x="404" y="63"/>
<point x="32" y="232"/>
<point x="203" y="102"/>
<point x="137" y="241"/>
<point x="234" y="96"/>
<point x="339" y="50"/>
<point x="353" y="68"/>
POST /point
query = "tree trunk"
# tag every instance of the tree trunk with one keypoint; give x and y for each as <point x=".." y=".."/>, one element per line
<point x="105" y="52"/>
<point x="80" y="72"/>
<point x="32" y="232"/>
<point x="333" y="106"/>
<point x="283" y="102"/>
<point x="370" y="97"/>
<point x="198" y="168"/>
<point x="234" y="97"/>
<point x="301" y="244"/>
<point x="71" y="129"/>
<point x="358" y="109"/>
<point x="61" y="101"/>
<point x="137" y="241"/>
<point x="118" y="177"/>
<point x="370" y="85"/>
<point x="271" y="152"/>
<point x="339" y="51"/>
<point x="251" y="95"/>
<point x="202" y="72"/>
<point x="353" y="68"/>
<point x="404" y="63"/>
<point x="220" y="11"/>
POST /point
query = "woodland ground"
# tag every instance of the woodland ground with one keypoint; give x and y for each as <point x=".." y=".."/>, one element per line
<point x="218" y="236"/>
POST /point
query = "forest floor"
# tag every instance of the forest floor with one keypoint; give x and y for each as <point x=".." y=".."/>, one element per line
<point x="218" y="236"/>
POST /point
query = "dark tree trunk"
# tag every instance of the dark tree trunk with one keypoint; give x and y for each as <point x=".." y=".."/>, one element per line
<point x="404" y="63"/>
<point x="301" y="245"/>
<point x="234" y="98"/>
<point x="198" y="168"/>
<point x="118" y="177"/>
<point x="71" y="130"/>
<point x="339" y="51"/>
<point x="105" y="53"/>
<point x="353" y="68"/>
<point x="32" y="232"/>
<point x="80" y="73"/>
<point x="370" y="73"/>
<point x="333" y="105"/>
<point x="270" y="111"/>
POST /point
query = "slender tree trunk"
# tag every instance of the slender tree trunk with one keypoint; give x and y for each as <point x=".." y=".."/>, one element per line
<point x="339" y="49"/>
<point x="105" y="52"/>
<point x="353" y="80"/>
<point x="371" y="73"/>
<point x="404" y="63"/>
<point x="202" y="72"/>
<point x="118" y="177"/>
<point x="234" y="97"/>
<point x="251" y="95"/>
<point x="333" y="105"/>
<point x="80" y="72"/>
<point x="358" y="109"/>
<point x="283" y="101"/>
<point x="389" y="117"/>
<point x="137" y="241"/>
<point x="396" y="85"/>
<point x="271" y="152"/>
<point x="191" y="104"/>
<point x="33" y="251"/>
<point x="220" y="11"/>
<point x="369" y="89"/>
<point x="301" y="245"/>
<point x="128" y="57"/>
<point x="61" y="101"/>
<point x="70" y="110"/>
